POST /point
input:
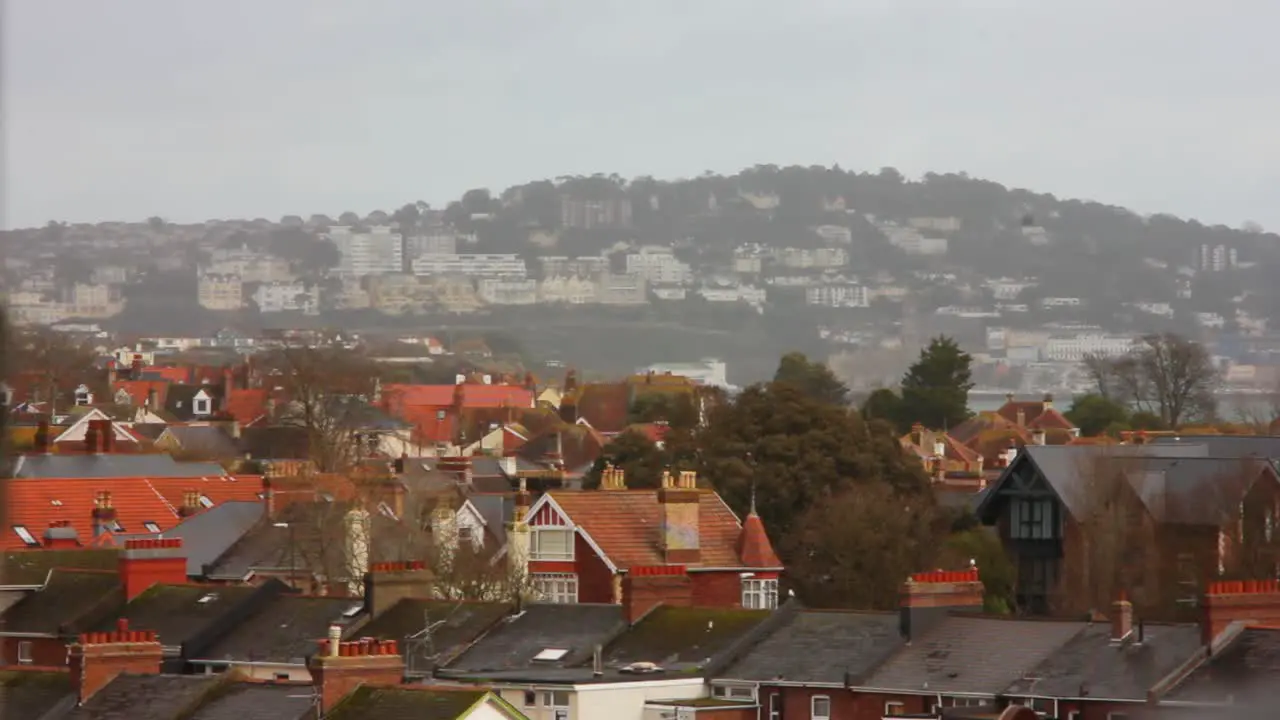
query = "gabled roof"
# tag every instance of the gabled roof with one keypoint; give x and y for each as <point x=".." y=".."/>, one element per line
<point x="140" y="390"/>
<point x="1090" y="665"/>
<point x="31" y="567"/>
<point x="179" y="613"/>
<point x="76" y="431"/>
<point x="208" y="534"/>
<point x="512" y="645"/>
<point x="283" y="630"/>
<point x="958" y="655"/>
<point x="821" y="647"/>
<point x="246" y="404"/>
<point x="36" y="503"/>
<point x="69" y="597"/>
<point x="473" y="395"/>
<point x="206" y="441"/>
<point x="112" y="465"/>
<point x="682" y="639"/>
<point x="625" y="526"/>
<point x="28" y="693"/>
<point x="1035" y="415"/>
<point x="1242" y="674"/>
<point x="444" y="628"/>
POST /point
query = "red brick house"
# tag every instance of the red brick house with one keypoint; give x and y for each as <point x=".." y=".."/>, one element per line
<point x="584" y="547"/>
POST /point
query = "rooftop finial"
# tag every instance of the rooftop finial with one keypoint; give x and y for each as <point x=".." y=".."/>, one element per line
<point x="753" y="497"/>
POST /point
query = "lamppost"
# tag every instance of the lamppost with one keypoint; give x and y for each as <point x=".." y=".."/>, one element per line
<point x="293" y="550"/>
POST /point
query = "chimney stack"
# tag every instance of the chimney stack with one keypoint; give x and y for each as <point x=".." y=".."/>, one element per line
<point x="95" y="659"/>
<point x="387" y="583"/>
<point x="1037" y="436"/>
<point x="91" y="440"/>
<point x="111" y="374"/>
<point x="518" y="532"/>
<point x="60" y="535"/>
<point x="930" y="596"/>
<point x="1022" y="417"/>
<point x="136" y="367"/>
<point x="613" y="478"/>
<point x="106" y="436"/>
<point x="1121" y="619"/>
<point x="341" y="667"/>
<point x="144" y="563"/>
<point x="1048" y="401"/>
<point x="680" y="505"/>
<point x="42" y="438"/>
<point x="1254" y="601"/>
<point x="646" y="587"/>
<point x="917" y="434"/>
<point x="190" y="503"/>
<point x="104" y="514"/>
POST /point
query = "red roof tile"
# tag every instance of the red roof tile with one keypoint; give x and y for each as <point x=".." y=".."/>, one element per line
<point x="625" y="525"/>
<point x="140" y="390"/>
<point x="246" y="405"/>
<point x="753" y="545"/>
<point x="170" y="373"/>
<point x="35" y="503"/>
<point x="396" y="397"/>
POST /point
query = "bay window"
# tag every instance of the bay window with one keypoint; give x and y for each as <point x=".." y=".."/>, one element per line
<point x="759" y="594"/>
<point x="559" y="588"/>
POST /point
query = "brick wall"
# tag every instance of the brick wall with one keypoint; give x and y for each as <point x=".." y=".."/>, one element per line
<point x="643" y="588"/>
<point x="45" y="652"/>
<point x="595" y="580"/>
<point x="717" y="589"/>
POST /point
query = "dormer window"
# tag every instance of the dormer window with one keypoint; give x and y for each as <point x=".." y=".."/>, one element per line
<point x="201" y="404"/>
<point x="83" y="396"/>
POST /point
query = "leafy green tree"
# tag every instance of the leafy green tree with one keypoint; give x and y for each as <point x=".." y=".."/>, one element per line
<point x="641" y="460"/>
<point x="814" y="379"/>
<point x="1094" y="414"/>
<point x="981" y="546"/>
<point x="882" y="404"/>
<point x="935" y="390"/>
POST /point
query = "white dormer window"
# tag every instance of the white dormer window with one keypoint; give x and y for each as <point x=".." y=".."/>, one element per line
<point x="202" y="404"/>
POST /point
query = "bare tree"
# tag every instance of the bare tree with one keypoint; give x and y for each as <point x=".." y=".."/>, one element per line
<point x="327" y="391"/>
<point x="1164" y="374"/>
<point x="56" y="363"/>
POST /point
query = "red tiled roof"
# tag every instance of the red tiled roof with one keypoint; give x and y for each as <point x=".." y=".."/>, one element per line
<point x="1051" y="419"/>
<point x="604" y="405"/>
<point x="625" y="524"/>
<point x="428" y="427"/>
<point x="35" y="503"/>
<point x="1035" y="415"/>
<point x="753" y="545"/>
<point x="168" y="372"/>
<point x="139" y="390"/>
<point x="246" y="405"/>
<point x="397" y="397"/>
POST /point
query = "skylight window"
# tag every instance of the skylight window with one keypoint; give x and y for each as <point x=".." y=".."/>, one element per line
<point x="25" y="535"/>
<point x="205" y="501"/>
<point x="151" y="526"/>
<point x="207" y="598"/>
<point x="550" y="654"/>
<point x="352" y="611"/>
<point x="56" y="503"/>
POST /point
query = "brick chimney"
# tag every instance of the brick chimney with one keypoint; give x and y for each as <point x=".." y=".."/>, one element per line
<point x="144" y="563"/>
<point x="646" y="587"/>
<point x="60" y="535"/>
<point x="518" y="532"/>
<point x="104" y="514"/>
<point x="929" y="597"/>
<point x="1037" y="436"/>
<point x="341" y="667"/>
<point x="1048" y="401"/>
<point x="613" y="478"/>
<point x="41" y="444"/>
<point x="679" y="507"/>
<point x="95" y="659"/>
<point x="152" y="400"/>
<point x="111" y="374"/>
<point x="1254" y="601"/>
<point x="190" y="503"/>
<point x="91" y="441"/>
<point x="917" y="434"/>
<point x="106" y="436"/>
<point x="387" y="583"/>
<point x="137" y="366"/>
<point x="1121" y="619"/>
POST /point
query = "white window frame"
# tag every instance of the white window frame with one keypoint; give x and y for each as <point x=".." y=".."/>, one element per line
<point x="559" y="588"/>
<point x="201" y="406"/>
<point x="759" y="593"/>
<point x="813" y="707"/>
<point x="25" y="652"/>
<point x="535" y="543"/>
<point x="894" y="708"/>
<point x="775" y="706"/>
<point x="969" y="701"/>
<point x="24" y="534"/>
<point x="549" y="699"/>
<point x="734" y="692"/>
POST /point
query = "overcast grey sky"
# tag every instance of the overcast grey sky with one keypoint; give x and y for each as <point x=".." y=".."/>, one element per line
<point x="190" y="110"/>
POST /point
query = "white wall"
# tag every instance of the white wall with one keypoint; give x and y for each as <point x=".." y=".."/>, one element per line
<point x="611" y="701"/>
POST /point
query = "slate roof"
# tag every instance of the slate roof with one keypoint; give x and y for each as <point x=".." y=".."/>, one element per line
<point x="68" y="597"/>
<point x="137" y="501"/>
<point x="497" y="510"/>
<point x="284" y="630"/>
<point x="625" y="524"/>
<point x="31" y="567"/>
<point x="30" y="694"/>
<point x="112" y="465"/>
<point x="209" y="534"/>
<point x="180" y="400"/>
<point x="276" y="442"/>
<point x="820" y="647"/>
<point x="1261" y="446"/>
<point x="406" y="703"/>
<point x="209" y="441"/>
<point x="146" y="697"/>
<point x="1088" y="665"/>
<point x="460" y="623"/>
<point x="513" y="644"/>
<point x="1246" y="671"/>
<point x="256" y="701"/>
<point x="312" y="538"/>
<point x="1196" y="491"/>
<point x="178" y="613"/>
<point x="971" y="654"/>
<point x="682" y="638"/>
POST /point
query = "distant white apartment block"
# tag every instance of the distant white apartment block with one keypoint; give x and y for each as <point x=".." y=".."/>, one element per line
<point x="745" y="293"/>
<point x="220" y="292"/>
<point x="591" y="214"/>
<point x="568" y="290"/>
<point x="1074" y="348"/>
<point x="813" y="258"/>
<point x="936" y="224"/>
<point x="473" y="265"/>
<point x="585" y="266"/>
<point x="376" y="250"/>
<point x="911" y="241"/>
<point x="287" y="297"/>
<point x="1006" y="289"/>
<point x="622" y="289"/>
<point x="710" y="371"/>
<point x="1061" y="302"/>
<point x="834" y="234"/>
<point x="838" y="295"/>
<point x="497" y="291"/>
<point x="658" y="265"/>
<point x="1218" y="258"/>
<point x="435" y="241"/>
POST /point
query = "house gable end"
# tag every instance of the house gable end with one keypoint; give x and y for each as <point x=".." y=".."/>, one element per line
<point x="546" y="512"/>
<point x="1023" y="477"/>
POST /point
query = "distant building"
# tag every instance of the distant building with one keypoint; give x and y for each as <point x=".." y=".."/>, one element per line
<point x="377" y="251"/>
<point x="1217" y="258"/>
<point x="592" y="214"/>
<point x="287" y="297"/>
<point x="220" y="292"/>
<point x="494" y="265"/>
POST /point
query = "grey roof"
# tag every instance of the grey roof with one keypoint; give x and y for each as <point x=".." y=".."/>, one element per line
<point x="513" y="644"/>
<point x="256" y="701"/>
<point x="683" y="639"/>
<point x="1246" y="671"/>
<point x="284" y="630"/>
<point x="1196" y="491"/>
<point x="971" y="654"/>
<point x="821" y="647"/>
<point x="1089" y="665"/>
<point x="179" y="613"/>
<point x="207" y="535"/>
<point x="112" y="465"/>
<point x="68" y="597"/>
<point x="145" y="697"/>
<point x="310" y="536"/>
<point x="398" y="703"/>
<point x="1261" y="446"/>
<point x="210" y="441"/>
<point x="453" y="627"/>
<point x="497" y="511"/>
<point x="27" y="694"/>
